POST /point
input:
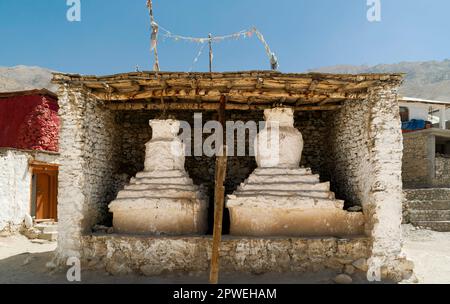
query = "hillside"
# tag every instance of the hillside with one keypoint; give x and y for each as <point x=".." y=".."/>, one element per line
<point x="25" y="78"/>
<point x="428" y="80"/>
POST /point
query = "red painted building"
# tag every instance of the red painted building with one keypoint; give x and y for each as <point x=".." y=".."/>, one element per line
<point x="29" y="120"/>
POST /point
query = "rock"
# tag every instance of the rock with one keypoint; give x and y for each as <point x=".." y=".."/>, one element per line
<point x="32" y="233"/>
<point x="39" y="241"/>
<point x="406" y="265"/>
<point x="100" y="228"/>
<point x="27" y="260"/>
<point x="28" y="221"/>
<point x="355" y="209"/>
<point x="51" y="265"/>
<point x="408" y="276"/>
<point x="151" y="270"/>
<point x="343" y="279"/>
<point x="5" y="233"/>
<point x="349" y="269"/>
<point x="361" y="264"/>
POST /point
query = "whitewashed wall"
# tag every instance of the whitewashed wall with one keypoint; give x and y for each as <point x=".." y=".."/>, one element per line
<point x="419" y="110"/>
<point x="15" y="185"/>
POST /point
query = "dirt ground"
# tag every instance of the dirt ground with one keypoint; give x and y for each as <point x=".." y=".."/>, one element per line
<point x="430" y="252"/>
<point x="24" y="261"/>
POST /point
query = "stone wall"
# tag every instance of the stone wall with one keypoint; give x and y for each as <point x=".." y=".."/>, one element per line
<point x="442" y="177"/>
<point x="15" y="185"/>
<point x="423" y="166"/>
<point x="417" y="161"/>
<point x="366" y="145"/>
<point x="120" y="254"/>
<point x="87" y="180"/>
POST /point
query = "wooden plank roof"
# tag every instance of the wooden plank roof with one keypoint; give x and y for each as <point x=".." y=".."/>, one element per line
<point x="242" y="90"/>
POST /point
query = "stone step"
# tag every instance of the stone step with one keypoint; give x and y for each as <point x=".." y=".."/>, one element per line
<point x="431" y="194"/>
<point x="285" y="187"/>
<point x="49" y="236"/>
<point x="294" y="178"/>
<point x="443" y="226"/>
<point x="282" y="171"/>
<point x="161" y="187"/>
<point x="429" y="205"/>
<point x="166" y="193"/>
<point x="293" y="194"/>
<point x="46" y="228"/>
<point x="429" y="215"/>
<point x="161" y="174"/>
<point x="162" y="180"/>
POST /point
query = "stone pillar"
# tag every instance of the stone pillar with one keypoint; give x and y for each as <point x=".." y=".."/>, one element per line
<point x="366" y="161"/>
<point x="282" y="199"/>
<point x="87" y="161"/>
<point x="162" y="199"/>
<point x="383" y="204"/>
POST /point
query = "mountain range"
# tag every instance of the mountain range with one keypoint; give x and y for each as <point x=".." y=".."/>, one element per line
<point x="427" y="79"/>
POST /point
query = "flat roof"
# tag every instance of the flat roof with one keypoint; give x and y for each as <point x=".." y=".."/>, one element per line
<point x="247" y="90"/>
<point x="427" y="101"/>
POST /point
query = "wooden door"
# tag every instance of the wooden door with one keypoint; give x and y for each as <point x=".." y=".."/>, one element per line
<point x="42" y="196"/>
<point x="46" y="190"/>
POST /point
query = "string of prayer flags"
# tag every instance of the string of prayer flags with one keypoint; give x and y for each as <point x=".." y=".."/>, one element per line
<point x="247" y="33"/>
<point x="154" y="36"/>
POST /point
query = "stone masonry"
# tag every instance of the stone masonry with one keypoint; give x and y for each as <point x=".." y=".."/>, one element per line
<point x="88" y="164"/>
<point x="366" y="145"/>
<point x="358" y="148"/>
<point x="122" y="254"/>
<point x="423" y="167"/>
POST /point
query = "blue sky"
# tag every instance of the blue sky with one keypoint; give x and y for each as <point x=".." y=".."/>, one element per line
<point x="113" y="35"/>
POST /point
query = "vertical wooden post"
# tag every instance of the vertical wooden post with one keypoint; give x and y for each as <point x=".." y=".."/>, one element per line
<point x="219" y="199"/>
<point x="154" y="28"/>
<point x="210" y="52"/>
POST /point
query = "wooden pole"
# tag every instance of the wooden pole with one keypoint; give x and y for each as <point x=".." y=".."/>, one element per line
<point x="219" y="199"/>
<point x="210" y="52"/>
<point x="152" y="20"/>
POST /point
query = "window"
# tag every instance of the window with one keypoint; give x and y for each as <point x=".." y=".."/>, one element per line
<point x="404" y="114"/>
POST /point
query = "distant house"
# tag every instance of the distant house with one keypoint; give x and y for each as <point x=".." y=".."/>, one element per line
<point x="426" y="133"/>
<point x="426" y="162"/>
<point x="29" y="137"/>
